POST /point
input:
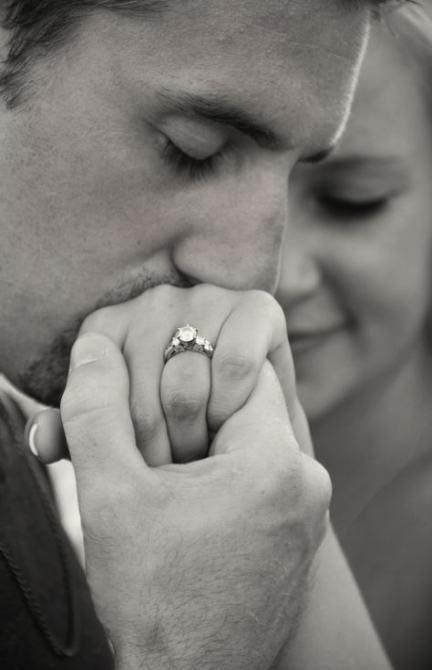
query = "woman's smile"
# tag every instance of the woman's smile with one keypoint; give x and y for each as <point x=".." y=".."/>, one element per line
<point x="303" y="340"/>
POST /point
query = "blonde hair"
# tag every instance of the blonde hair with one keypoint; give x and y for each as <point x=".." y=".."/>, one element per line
<point x="415" y="20"/>
<point x="411" y="25"/>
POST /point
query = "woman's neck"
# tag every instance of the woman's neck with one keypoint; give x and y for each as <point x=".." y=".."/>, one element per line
<point x="372" y="438"/>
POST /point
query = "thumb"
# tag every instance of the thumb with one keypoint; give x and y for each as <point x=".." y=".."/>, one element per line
<point x="95" y="413"/>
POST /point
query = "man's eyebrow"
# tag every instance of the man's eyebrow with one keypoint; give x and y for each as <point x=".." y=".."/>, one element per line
<point x="219" y="110"/>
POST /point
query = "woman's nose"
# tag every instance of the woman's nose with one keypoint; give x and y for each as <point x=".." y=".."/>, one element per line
<point x="300" y="274"/>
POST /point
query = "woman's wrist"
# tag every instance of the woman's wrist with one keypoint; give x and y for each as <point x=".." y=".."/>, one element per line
<point x="335" y="630"/>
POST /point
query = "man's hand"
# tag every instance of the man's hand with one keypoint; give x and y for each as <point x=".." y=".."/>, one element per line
<point x="198" y="565"/>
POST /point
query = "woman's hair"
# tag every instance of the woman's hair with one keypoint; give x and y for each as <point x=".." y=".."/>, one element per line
<point x="411" y="25"/>
<point x="415" y="19"/>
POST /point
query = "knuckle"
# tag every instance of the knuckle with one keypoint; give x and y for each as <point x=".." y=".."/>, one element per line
<point x="84" y="394"/>
<point x="293" y="491"/>
<point x="286" y="480"/>
<point x="264" y="300"/>
<point x="204" y="293"/>
<point x="325" y="488"/>
<point x="75" y="405"/>
<point x="278" y="317"/>
<point x="235" y="366"/>
<point x="147" y="422"/>
<point x="183" y="404"/>
<point x="162" y="294"/>
<point x="270" y="308"/>
<point x="279" y="475"/>
<point x="162" y="302"/>
<point x="301" y="495"/>
<point x="317" y="486"/>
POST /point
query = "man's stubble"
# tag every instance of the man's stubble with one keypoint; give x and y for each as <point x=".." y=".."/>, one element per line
<point x="44" y="378"/>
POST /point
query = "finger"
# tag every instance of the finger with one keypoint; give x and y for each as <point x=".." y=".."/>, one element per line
<point x="143" y="352"/>
<point x="142" y="341"/>
<point x="253" y="332"/>
<point x="95" y="414"/>
<point x="282" y="361"/>
<point x="264" y="414"/>
<point x="171" y="308"/>
<point x="260" y="437"/>
<point x="185" y="389"/>
<point x="45" y="436"/>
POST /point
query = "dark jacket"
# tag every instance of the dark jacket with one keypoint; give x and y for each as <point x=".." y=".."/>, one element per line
<point x="47" y="620"/>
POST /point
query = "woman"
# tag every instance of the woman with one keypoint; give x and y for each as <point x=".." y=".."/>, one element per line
<point x="356" y="292"/>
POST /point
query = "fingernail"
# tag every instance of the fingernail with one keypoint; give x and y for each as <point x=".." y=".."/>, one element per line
<point x="32" y="439"/>
<point x="87" y="349"/>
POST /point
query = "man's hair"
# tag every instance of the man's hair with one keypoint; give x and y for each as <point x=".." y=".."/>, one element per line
<point x="38" y="27"/>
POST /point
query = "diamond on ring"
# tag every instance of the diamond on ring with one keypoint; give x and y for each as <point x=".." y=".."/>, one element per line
<point x="185" y="339"/>
<point x="186" y="334"/>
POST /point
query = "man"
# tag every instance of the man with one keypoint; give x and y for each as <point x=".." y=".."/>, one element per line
<point x="148" y="143"/>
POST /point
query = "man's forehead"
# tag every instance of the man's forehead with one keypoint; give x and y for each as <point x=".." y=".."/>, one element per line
<point x="284" y="20"/>
<point x="278" y="58"/>
<point x="270" y="29"/>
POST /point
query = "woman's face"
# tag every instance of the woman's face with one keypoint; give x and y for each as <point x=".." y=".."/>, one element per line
<point x="356" y="279"/>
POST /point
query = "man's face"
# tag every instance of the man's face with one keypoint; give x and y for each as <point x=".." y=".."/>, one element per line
<point x="158" y="150"/>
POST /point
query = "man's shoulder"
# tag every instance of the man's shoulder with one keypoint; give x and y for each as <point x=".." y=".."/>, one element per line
<point x="46" y="617"/>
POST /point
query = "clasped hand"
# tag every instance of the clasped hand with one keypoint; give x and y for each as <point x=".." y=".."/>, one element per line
<point x="192" y="561"/>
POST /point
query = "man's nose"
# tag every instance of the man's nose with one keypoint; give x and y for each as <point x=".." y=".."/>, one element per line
<point x="238" y="244"/>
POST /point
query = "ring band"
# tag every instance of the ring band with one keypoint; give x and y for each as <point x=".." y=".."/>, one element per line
<point x="185" y="339"/>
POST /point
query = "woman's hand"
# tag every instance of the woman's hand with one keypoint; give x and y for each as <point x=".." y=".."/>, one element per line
<point x="177" y="407"/>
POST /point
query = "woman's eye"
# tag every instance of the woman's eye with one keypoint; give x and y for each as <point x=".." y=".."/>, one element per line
<point x="194" y="168"/>
<point x="345" y="208"/>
